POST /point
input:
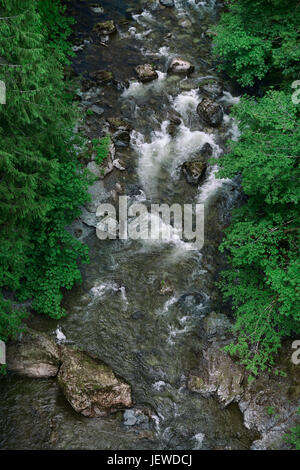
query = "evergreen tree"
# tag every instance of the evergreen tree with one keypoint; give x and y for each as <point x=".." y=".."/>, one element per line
<point x="41" y="185"/>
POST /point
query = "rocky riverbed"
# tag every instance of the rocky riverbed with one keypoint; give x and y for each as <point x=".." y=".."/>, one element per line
<point x="138" y="363"/>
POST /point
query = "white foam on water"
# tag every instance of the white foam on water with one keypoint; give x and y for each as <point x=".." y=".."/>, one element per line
<point x="233" y="131"/>
<point x="159" y="385"/>
<point x="199" y="438"/>
<point x="144" y="17"/>
<point x="227" y="98"/>
<point x="123" y="295"/>
<point x="210" y="186"/>
<point x="174" y="332"/>
<point x="137" y="89"/>
<point x="100" y="291"/>
<point x="181" y="6"/>
<point x="186" y="103"/>
<point x="184" y="320"/>
<point x="61" y="338"/>
<point x="145" y="223"/>
<point x="163" y="51"/>
<point x="165" y="151"/>
<point x="167" y="305"/>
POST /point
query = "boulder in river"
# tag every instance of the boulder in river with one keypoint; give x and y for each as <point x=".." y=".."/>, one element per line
<point x="121" y="138"/>
<point x="33" y="354"/>
<point x="210" y="112"/>
<point x="206" y="150"/>
<point x="90" y="386"/>
<point x="180" y="66"/>
<point x="194" y="171"/>
<point x="146" y="73"/>
<point x="105" y="28"/>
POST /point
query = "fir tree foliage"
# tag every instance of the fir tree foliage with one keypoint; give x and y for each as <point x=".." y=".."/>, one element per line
<point x="42" y="184"/>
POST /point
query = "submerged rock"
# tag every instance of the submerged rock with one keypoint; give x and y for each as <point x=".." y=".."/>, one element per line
<point x="105" y="28"/>
<point x="210" y="112"/>
<point x="121" y="138"/>
<point x="96" y="8"/>
<point x="118" y="124"/>
<point x="90" y="386"/>
<point x="211" y="88"/>
<point x="101" y="76"/>
<point x="181" y="67"/>
<point x="194" y="171"/>
<point x="146" y="73"/>
<point x="33" y="354"/>
<point x="135" y="417"/>
<point x="167" y="3"/>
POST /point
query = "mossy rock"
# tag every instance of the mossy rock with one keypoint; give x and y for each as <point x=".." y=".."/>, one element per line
<point x="105" y="28"/>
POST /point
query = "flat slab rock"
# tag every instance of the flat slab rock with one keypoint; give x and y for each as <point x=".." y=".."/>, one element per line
<point x="90" y="386"/>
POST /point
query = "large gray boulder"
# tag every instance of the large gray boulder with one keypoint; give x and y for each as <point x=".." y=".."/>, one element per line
<point x="33" y="354"/>
<point x="210" y="112"/>
<point x="90" y="386"/>
<point x="180" y="67"/>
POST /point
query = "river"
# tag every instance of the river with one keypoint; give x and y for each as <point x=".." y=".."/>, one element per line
<point x="118" y="313"/>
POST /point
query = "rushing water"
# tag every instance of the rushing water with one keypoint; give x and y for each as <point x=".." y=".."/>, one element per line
<point x="153" y="341"/>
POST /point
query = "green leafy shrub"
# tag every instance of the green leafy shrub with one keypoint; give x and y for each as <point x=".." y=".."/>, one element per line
<point x="262" y="241"/>
<point x="101" y="147"/>
<point x="256" y="38"/>
<point x="294" y="436"/>
<point x="56" y="27"/>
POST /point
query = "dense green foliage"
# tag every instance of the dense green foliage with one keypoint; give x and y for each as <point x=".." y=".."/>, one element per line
<point x="42" y="185"/>
<point x="101" y="148"/>
<point x="259" y="39"/>
<point x="254" y="40"/>
<point x="56" y="27"/>
<point x="262" y="239"/>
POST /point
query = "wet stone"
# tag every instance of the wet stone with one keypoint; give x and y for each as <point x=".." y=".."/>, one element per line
<point x="146" y="73"/>
<point x="210" y="112"/>
<point x="105" y="28"/>
<point x="167" y="3"/>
